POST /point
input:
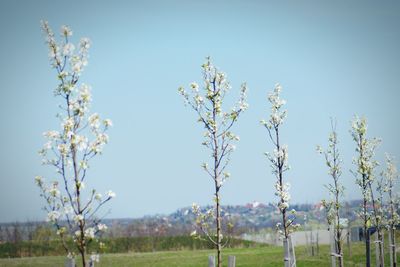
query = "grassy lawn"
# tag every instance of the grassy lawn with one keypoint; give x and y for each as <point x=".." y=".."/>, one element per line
<point x="249" y="257"/>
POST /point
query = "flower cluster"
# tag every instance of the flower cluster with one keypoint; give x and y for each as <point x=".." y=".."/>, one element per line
<point x="365" y="149"/>
<point x="365" y="163"/>
<point x="277" y="113"/>
<point x="205" y="224"/>
<point x="282" y="192"/>
<point x="63" y="53"/>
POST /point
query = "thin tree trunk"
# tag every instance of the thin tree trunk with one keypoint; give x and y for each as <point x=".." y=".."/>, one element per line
<point x="394" y="249"/>
<point x="382" y="248"/>
<point x="377" y="250"/>
<point x="219" y="256"/>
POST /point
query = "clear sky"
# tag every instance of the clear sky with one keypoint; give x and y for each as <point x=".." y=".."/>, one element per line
<point x="333" y="58"/>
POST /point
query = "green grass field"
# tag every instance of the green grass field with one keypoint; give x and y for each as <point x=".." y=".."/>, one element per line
<point x="249" y="257"/>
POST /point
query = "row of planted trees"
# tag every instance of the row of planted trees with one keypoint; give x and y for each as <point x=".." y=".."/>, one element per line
<point x="207" y="102"/>
<point x="380" y="203"/>
<point x="74" y="210"/>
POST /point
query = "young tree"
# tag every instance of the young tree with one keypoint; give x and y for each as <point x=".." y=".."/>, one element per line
<point x="391" y="176"/>
<point x="70" y="208"/>
<point x="335" y="189"/>
<point x="365" y="164"/>
<point x="207" y="103"/>
<point x="279" y="165"/>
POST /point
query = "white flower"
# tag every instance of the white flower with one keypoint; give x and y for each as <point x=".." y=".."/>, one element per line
<point x="194" y="86"/>
<point x="283" y="205"/>
<point x="102" y="227"/>
<point x="77" y="66"/>
<point x="83" y="165"/>
<point x="110" y="194"/>
<point x="39" y="180"/>
<point x="68" y="49"/>
<point x="63" y="148"/>
<point x="84" y="44"/>
<point x="52" y="134"/>
<point x="94" y="120"/>
<point x="198" y="99"/>
<point x="102" y="138"/>
<point x="68" y="124"/>
<point x="53" y="216"/>
<point x="78" y="218"/>
<point x="47" y="145"/>
<point x="108" y="123"/>
<point x="195" y="208"/>
<point x="98" y="196"/>
<point x="54" y="191"/>
<point x="85" y="93"/>
<point x="227" y="174"/>
<point x="243" y="106"/>
<point x="81" y="142"/>
<point x="89" y="232"/>
<point x="66" y="31"/>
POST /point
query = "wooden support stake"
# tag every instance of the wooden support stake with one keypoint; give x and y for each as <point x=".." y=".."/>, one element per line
<point x="286" y="250"/>
<point x="231" y="261"/>
<point x="333" y="245"/>
<point x="70" y="262"/>
<point x="292" y="253"/>
<point x="211" y="261"/>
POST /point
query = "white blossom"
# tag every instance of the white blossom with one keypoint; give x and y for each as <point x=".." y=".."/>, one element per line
<point x="84" y="44"/>
<point x="107" y="123"/>
<point x="194" y="86"/>
<point x="98" y="197"/>
<point x="90" y="232"/>
<point x="94" y="120"/>
<point x="102" y="227"/>
<point x="66" y="31"/>
<point x="78" y="218"/>
<point x="85" y="93"/>
<point x="38" y="180"/>
<point x="68" y="50"/>
<point x="52" y="134"/>
<point x="110" y="194"/>
<point x="53" y="216"/>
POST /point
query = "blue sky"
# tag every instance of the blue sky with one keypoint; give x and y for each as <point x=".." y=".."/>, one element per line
<point x="333" y="59"/>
